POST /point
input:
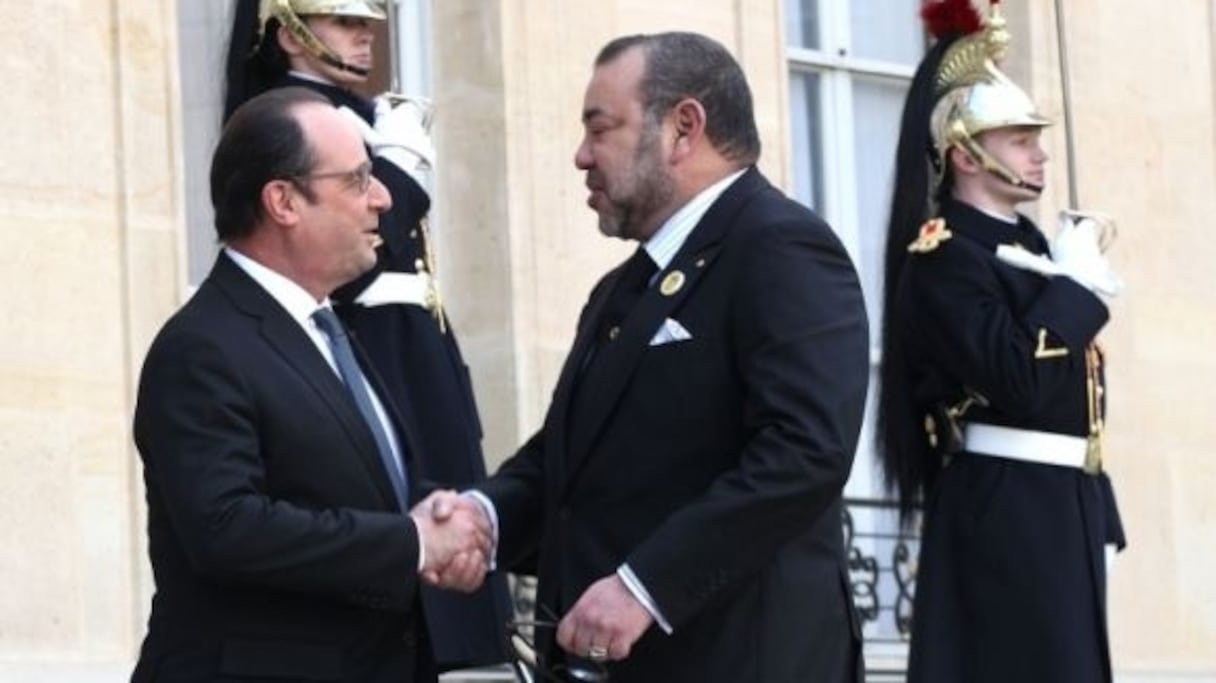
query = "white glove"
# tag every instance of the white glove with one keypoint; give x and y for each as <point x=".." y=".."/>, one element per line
<point x="1020" y="257"/>
<point x="1075" y="250"/>
<point x="366" y="131"/>
<point x="400" y="135"/>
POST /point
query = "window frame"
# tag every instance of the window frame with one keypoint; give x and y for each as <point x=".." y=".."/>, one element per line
<point x="871" y="512"/>
<point x="836" y="70"/>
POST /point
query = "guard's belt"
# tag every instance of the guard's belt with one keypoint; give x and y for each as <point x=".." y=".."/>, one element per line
<point x="398" y="288"/>
<point x="1047" y="448"/>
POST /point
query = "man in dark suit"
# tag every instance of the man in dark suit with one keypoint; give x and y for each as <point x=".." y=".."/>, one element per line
<point x="278" y="478"/>
<point x="682" y="501"/>
<point x="394" y="308"/>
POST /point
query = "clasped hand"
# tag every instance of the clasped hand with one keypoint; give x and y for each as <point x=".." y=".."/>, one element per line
<point x="400" y="136"/>
<point x="457" y="538"/>
<point x="1078" y="251"/>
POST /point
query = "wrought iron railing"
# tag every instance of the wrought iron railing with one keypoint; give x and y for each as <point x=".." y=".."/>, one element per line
<point x="882" y="569"/>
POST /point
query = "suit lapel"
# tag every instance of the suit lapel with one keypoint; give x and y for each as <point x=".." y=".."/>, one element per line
<point x="556" y="424"/>
<point x="614" y="365"/>
<point x="283" y="334"/>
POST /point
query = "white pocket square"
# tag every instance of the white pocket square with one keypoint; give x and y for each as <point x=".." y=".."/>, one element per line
<point x="670" y="331"/>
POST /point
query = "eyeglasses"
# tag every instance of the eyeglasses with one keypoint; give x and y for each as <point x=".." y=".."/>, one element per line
<point x="531" y="665"/>
<point x="360" y="177"/>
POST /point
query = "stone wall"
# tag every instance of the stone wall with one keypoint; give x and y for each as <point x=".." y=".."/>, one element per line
<point x="90" y="205"/>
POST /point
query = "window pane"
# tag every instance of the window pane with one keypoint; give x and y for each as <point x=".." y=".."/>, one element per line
<point x="877" y="105"/>
<point x="806" y="116"/>
<point x="802" y="23"/>
<point x="414" y="46"/>
<point x="888" y="30"/>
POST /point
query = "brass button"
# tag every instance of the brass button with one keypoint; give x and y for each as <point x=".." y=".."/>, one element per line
<point x="419" y="264"/>
<point x="413" y="234"/>
<point x="614" y="332"/>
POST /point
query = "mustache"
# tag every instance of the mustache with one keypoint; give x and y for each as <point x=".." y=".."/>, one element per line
<point x="594" y="181"/>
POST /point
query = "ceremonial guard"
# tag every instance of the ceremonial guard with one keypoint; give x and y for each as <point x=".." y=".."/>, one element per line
<point x="992" y="398"/>
<point x="395" y="310"/>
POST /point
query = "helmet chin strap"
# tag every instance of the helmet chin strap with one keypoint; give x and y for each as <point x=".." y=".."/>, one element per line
<point x="994" y="166"/>
<point x="314" y="46"/>
<point x="331" y="59"/>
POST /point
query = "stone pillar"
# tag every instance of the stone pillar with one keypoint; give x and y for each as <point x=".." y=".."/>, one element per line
<point x="92" y="213"/>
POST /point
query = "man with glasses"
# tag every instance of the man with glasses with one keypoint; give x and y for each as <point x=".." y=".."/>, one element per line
<point x="395" y="307"/>
<point x="279" y="478"/>
<point x="682" y="502"/>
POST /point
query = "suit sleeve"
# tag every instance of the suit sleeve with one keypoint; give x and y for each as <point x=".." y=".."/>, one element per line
<point x="518" y="488"/>
<point x="200" y="432"/>
<point x="961" y="316"/>
<point x="799" y="331"/>
<point x="517" y="491"/>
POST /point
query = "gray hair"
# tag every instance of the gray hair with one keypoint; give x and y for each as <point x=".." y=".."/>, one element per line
<point x="689" y="65"/>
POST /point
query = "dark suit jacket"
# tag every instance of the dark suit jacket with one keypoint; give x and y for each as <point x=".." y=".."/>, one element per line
<point x="278" y="549"/>
<point x="713" y="466"/>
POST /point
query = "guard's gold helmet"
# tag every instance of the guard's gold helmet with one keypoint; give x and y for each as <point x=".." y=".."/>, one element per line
<point x="288" y="13"/>
<point x="974" y="96"/>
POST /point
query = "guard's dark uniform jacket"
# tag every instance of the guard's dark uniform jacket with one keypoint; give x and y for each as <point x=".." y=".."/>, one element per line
<point x="1011" y="581"/>
<point x="428" y="379"/>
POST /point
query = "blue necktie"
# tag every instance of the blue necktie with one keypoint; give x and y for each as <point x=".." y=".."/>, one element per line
<point x="348" y="367"/>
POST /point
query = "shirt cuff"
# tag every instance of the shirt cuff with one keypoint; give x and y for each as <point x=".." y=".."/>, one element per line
<point x="487" y="506"/>
<point x="421" y="548"/>
<point x="639" y="591"/>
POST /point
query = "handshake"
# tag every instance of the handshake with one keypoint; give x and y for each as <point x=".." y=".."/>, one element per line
<point x="457" y="540"/>
<point x="1077" y="252"/>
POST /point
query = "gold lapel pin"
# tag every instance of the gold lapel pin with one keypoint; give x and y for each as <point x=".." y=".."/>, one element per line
<point x="672" y="283"/>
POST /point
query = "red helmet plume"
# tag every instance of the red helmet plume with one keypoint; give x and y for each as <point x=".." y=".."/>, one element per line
<point x="950" y="17"/>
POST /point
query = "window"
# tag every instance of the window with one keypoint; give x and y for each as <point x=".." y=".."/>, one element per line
<point x="413" y="31"/>
<point x="203" y="29"/>
<point x="850" y="65"/>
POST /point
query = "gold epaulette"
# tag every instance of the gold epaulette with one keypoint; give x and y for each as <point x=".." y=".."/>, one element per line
<point x="931" y="234"/>
<point x="430" y="264"/>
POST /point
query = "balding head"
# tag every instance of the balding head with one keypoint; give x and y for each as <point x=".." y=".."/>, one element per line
<point x="263" y="141"/>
